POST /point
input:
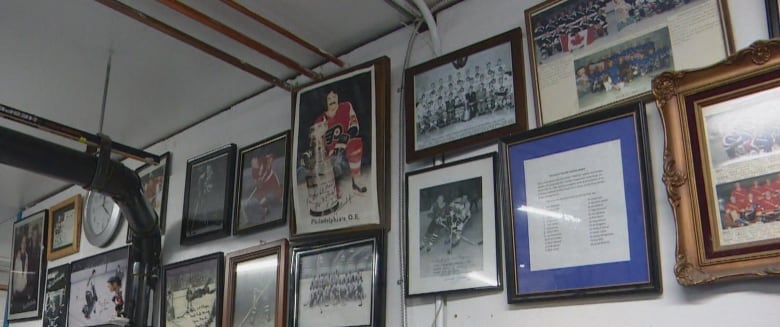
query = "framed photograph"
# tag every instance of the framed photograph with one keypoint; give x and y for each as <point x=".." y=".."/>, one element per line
<point x="154" y="181"/>
<point x="64" y="235"/>
<point x="193" y="292"/>
<point x="28" y="267"/>
<point x="452" y="227"/>
<point x="340" y="131"/>
<point x="263" y="184"/>
<point x="588" y="54"/>
<point x="257" y="286"/>
<point x="720" y="165"/>
<point x="773" y="18"/>
<point x="339" y="283"/>
<point x="208" y="196"/>
<point x="466" y="97"/>
<point x="97" y="288"/>
<point x="581" y="220"/>
<point x="55" y="312"/>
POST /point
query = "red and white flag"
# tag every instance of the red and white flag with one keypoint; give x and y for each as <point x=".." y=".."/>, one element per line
<point x="582" y="38"/>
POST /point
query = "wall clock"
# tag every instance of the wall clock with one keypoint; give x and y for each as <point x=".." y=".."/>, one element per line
<point x="101" y="219"/>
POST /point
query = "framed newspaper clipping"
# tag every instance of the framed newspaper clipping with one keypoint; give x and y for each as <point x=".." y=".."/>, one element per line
<point x="581" y="220"/>
<point x="340" y="153"/>
<point x="721" y="165"/>
<point x="452" y="225"/>
<point x="586" y="54"/>
<point x="470" y="96"/>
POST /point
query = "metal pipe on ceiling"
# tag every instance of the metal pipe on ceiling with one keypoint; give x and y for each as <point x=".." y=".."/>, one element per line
<point x="191" y="40"/>
<point x="238" y="36"/>
<point x="428" y="16"/>
<point x="283" y="31"/>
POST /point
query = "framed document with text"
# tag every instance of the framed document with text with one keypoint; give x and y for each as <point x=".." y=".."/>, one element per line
<point x="582" y="220"/>
<point x="721" y="169"/>
<point x="590" y="54"/>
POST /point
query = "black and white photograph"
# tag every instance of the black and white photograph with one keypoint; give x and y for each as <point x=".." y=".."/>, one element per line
<point x="337" y="147"/>
<point x="465" y="94"/>
<point x="64" y="234"/>
<point x="64" y="222"/>
<point x="208" y="195"/>
<point x="25" y="289"/>
<point x="572" y="43"/>
<point x="263" y="184"/>
<point x="624" y="69"/>
<point x="154" y="182"/>
<point x="451" y="225"/>
<point x="193" y="292"/>
<point x="335" y="285"/>
<point x="97" y="288"/>
<point x="256" y="286"/>
<point x="55" y="312"/>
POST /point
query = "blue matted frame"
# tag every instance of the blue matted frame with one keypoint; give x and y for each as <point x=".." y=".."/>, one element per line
<point x="641" y="272"/>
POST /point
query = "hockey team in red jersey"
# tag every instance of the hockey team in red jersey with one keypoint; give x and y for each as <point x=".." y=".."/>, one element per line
<point x="758" y="203"/>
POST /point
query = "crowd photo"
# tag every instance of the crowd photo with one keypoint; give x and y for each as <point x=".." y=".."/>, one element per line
<point x="578" y="23"/>
<point x="749" y="201"/>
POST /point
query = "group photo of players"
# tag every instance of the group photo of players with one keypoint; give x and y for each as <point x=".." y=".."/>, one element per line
<point x="749" y="201"/>
<point x="336" y="288"/>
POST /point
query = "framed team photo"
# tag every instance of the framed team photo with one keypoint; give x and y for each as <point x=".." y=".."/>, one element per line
<point x="154" y="181"/>
<point x="473" y="95"/>
<point x="98" y="288"/>
<point x="581" y="217"/>
<point x="28" y="267"/>
<point x="452" y="226"/>
<point x="589" y="54"/>
<point x="338" y="284"/>
<point x="192" y="291"/>
<point x="208" y="196"/>
<point x="721" y="171"/>
<point x="64" y="235"/>
<point x="56" y="298"/>
<point x="263" y="181"/>
<point x="257" y="286"/>
<point x="340" y="130"/>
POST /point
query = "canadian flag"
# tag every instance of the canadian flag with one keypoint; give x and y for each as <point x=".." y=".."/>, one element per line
<point x="582" y="38"/>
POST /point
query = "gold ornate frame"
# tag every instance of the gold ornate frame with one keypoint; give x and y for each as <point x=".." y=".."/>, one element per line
<point x="682" y="96"/>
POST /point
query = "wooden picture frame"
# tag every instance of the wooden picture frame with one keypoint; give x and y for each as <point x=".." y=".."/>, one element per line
<point x="358" y="259"/>
<point x="484" y="106"/>
<point x="719" y="142"/>
<point x="64" y="236"/>
<point x="89" y="278"/>
<point x="340" y="155"/>
<point x="452" y="228"/>
<point x="28" y="267"/>
<point x="208" y="196"/>
<point x="195" y="288"/>
<point x="57" y="296"/>
<point x="773" y="18"/>
<point x="266" y="266"/>
<point x="262" y="190"/>
<point x="585" y="62"/>
<point x="581" y="216"/>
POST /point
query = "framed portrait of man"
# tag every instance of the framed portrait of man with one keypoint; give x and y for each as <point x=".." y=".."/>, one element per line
<point x="340" y="128"/>
<point x="27" y="267"/>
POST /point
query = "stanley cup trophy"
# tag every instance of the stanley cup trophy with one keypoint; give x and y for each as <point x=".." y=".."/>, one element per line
<point x="320" y="182"/>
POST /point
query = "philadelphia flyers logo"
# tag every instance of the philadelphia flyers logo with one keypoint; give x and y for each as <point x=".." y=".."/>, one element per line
<point x="333" y="134"/>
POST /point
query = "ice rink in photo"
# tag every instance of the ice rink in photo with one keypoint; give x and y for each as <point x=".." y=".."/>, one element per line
<point x="80" y="313"/>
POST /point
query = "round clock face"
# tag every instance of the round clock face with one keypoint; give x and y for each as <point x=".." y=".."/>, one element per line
<point x="102" y="217"/>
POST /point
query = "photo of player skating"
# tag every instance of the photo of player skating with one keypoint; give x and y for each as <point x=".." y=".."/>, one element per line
<point x="335" y="287"/>
<point x="451" y="225"/>
<point x="190" y="295"/>
<point x="207" y="197"/>
<point x="471" y="95"/>
<point x="97" y="287"/>
<point x="262" y="195"/>
<point x="255" y="293"/>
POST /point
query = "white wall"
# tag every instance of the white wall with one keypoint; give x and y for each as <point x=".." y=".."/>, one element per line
<point x="741" y="303"/>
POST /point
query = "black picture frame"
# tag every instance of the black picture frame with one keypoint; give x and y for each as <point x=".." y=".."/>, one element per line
<point x="609" y="245"/>
<point x="28" y="264"/>
<point x="89" y="277"/>
<point x="57" y="295"/>
<point x="215" y="171"/>
<point x="440" y="121"/>
<point x="152" y="175"/>
<point x="773" y="18"/>
<point x="304" y="254"/>
<point x="188" y="284"/>
<point x="453" y="224"/>
<point x="268" y="193"/>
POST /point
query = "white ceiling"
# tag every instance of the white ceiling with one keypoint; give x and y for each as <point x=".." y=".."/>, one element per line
<point x="54" y="53"/>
